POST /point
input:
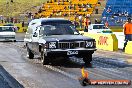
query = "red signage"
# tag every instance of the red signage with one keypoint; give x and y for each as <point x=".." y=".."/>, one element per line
<point x="103" y="40"/>
<point x="84" y="80"/>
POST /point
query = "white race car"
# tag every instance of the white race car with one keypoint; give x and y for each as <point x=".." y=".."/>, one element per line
<point x="7" y="33"/>
<point x="98" y="28"/>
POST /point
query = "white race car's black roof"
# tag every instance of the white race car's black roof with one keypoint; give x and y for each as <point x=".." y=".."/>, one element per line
<point x="55" y="20"/>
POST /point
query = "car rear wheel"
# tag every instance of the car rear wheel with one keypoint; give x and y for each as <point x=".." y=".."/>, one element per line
<point x="30" y="54"/>
<point x="87" y="59"/>
<point x="44" y="59"/>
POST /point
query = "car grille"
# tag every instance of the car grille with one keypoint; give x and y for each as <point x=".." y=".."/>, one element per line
<point x="70" y="45"/>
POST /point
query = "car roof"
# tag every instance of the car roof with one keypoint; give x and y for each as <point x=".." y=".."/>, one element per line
<point x="97" y="24"/>
<point x="55" y="20"/>
<point x="42" y="21"/>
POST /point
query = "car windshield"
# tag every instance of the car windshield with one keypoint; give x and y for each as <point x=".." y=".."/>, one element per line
<point x="58" y="29"/>
<point x="5" y="29"/>
<point x="99" y="27"/>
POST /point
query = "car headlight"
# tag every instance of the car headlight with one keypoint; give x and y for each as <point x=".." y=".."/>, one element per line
<point x="89" y="43"/>
<point x="52" y="45"/>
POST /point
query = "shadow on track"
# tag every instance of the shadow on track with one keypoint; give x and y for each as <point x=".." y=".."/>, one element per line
<point x="69" y="63"/>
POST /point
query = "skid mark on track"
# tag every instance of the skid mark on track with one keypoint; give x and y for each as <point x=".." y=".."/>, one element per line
<point x="62" y="72"/>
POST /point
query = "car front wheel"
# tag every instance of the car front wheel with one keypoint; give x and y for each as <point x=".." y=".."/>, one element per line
<point x="44" y="59"/>
<point x="30" y="54"/>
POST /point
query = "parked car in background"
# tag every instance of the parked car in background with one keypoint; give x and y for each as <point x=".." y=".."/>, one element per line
<point x="98" y="28"/>
<point x="7" y="33"/>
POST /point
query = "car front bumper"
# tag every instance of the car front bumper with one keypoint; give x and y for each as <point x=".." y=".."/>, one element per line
<point x="7" y="38"/>
<point x="69" y="52"/>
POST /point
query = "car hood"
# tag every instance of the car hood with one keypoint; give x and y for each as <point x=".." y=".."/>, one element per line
<point x="62" y="38"/>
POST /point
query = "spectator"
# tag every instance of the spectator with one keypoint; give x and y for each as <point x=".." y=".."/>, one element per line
<point x="58" y="2"/>
<point x="109" y="9"/>
<point x="48" y="6"/>
<point x="29" y="15"/>
<point x="1" y="18"/>
<point x="12" y="1"/>
<point x="36" y="16"/>
<point x="15" y="20"/>
<point x="96" y="21"/>
<point x="11" y="19"/>
<point x="62" y="2"/>
<point x="127" y="32"/>
<point x="126" y="14"/>
<point x="86" y="23"/>
<point x="99" y="3"/>
<point x="80" y="20"/>
<point x="125" y="22"/>
<point x="88" y="15"/>
<point x="65" y="14"/>
<point x="75" y="21"/>
<point x="85" y="9"/>
<point x="40" y="10"/>
<point x="7" y="20"/>
<point x="96" y="10"/>
<point x="74" y="6"/>
<point x="22" y="23"/>
<point x="106" y="24"/>
<point x="65" y="8"/>
<point x="88" y="6"/>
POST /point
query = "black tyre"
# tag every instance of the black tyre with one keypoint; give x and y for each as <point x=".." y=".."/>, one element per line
<point x="30" y="54"/>
<point x="87" y="59"/>
<point x="44" y="59"/>
<point x="14" y="40"/>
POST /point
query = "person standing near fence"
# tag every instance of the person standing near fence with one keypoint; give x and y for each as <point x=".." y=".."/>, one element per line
<point x="80" y="21"/>
<point x="86" y="23"/>
<point x="127" y="32"/>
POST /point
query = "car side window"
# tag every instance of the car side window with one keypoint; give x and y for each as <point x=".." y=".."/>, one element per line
<point x="47" y="30"/>
<point x="95" y="27"/>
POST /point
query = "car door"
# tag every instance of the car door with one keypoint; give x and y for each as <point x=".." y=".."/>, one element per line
<point x="35" y="39"/>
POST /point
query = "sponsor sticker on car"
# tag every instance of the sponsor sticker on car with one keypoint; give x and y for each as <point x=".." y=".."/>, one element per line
<point x="72" y="52"/>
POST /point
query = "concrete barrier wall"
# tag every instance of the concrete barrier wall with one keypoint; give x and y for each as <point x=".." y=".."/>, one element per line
<point x="103" y="41"/>
<point x="121" y="37"/>
<point x="128" y="48"/>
